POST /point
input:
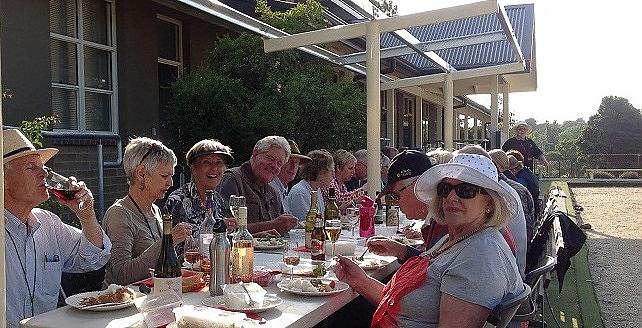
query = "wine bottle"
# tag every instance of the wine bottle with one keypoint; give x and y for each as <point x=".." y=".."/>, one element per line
<point x="379" y="215"/>
<point x="310" y="219"/>
<point x="331" y="208"/>
<point x="317" y="251"/>
<point x="167" y="274"/>
<point x="242" y="251"/>
<point x="392" y="213"/>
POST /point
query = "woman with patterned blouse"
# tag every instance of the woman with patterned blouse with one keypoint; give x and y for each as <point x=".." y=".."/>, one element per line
<point x="344" y="163"/>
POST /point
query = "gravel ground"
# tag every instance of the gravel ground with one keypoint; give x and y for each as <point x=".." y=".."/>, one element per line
<point x="615" y="250"/>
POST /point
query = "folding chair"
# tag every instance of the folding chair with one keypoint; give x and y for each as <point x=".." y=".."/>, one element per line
<point x="504" y="312"/>
<point x="534" y="279"/>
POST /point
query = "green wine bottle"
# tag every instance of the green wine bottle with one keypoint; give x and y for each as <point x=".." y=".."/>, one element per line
<point x="167" y="274"/>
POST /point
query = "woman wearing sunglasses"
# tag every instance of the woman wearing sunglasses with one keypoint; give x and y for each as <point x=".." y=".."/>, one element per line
<point x="464" y="276"/>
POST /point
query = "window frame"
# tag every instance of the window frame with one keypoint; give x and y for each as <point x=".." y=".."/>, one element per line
<point x="80" y="44"/>
<point x="179" y="48"/>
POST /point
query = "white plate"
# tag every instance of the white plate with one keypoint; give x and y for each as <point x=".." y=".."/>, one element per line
<point x="370" y="263"/>
<point x="266" y="246"/>
<point x="269" y="302"/>
<point x="74" y="301"/>
<point x="406" y="241"/>
<point x="338" y="288"/>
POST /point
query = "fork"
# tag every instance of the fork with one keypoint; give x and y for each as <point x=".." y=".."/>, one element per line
<point x="251" y="303"/>
<point x="360" y="258"/>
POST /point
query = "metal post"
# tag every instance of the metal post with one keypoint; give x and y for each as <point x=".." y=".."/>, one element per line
<point x="101" y="182"/>
<point x="419" y="122"/>
<point x="494" y="112"/>
<point x="506" y="114"/>
<point x="391" y="117"/>
<point x="448" y="112"/>
<point x="374" y="107"/>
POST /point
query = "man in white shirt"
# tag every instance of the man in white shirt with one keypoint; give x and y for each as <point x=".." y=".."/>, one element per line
<point x="38" y="246"/>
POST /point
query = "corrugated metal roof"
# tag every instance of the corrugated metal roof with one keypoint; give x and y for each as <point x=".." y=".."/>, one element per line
<point x="522" y="18"/>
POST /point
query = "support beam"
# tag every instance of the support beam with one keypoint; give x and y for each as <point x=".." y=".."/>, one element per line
<point x="435" y="45"/>
<point x="494" y="111"/>
<point x="388" y="24"/>
<point x="475" y="129"/>
<point x="373" y="119"/>
<point x="506" y="114"/>
<point x="440" y="123"/>
<point x="510" y="33"/>
<point x="458" y="75"/>
<point x="448" y="112"/>
<point x="3" y="271"/>
<point x="466" y="134"/>
<point x="419" y="122"/>
<point x="391" y="117"/>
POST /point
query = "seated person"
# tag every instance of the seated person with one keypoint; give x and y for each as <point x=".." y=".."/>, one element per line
<point x="39" y="247"/>
<point x="288" y="173"/>
<point x="251" y="180"/>
<point x="316" y="174"/>
<point x="134" y="222"/>
<point x="344" y="168"/>
<point x="452" y="283"/>
<point x="524" y="176"/>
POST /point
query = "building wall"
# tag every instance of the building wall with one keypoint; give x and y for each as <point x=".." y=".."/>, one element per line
<point x="26" y="72"/>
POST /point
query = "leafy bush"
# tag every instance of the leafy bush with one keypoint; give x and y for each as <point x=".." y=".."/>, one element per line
<point x="629" y="175"/>
<point x="603" y="175"/>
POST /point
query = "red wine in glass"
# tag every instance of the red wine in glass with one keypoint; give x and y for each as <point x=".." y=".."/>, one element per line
<point x="62" y="194"/>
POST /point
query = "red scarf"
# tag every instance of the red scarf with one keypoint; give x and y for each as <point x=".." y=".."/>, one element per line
<point x="410" y="276"/>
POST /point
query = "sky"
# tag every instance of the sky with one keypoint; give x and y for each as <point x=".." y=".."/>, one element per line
<point x="586" y="50"/>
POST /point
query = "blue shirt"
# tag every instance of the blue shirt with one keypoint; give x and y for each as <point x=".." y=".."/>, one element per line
<point x="38" y="255"/>
<point x="298" y="200"/>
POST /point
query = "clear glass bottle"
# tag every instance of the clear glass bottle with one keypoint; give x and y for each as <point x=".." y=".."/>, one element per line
<point x="242" y="251"/>
<point x="206" y="229"/>
<point x="310" y="219"/>
<point x="331" y="208"/>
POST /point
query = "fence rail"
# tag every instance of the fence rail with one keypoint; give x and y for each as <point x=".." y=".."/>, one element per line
<point x="601" y="162"/>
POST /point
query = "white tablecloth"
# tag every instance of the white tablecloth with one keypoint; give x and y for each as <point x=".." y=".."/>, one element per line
<point x="296" y="310"/>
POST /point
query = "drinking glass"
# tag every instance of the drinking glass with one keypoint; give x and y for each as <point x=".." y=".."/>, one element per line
<point x="60" y="187"/>
<point x="192" y="251"/>
<point x="235" y="203"/>
<point x="333" y="231"/>
<point x="291" y="256"/>
<point x="353" y="217"/>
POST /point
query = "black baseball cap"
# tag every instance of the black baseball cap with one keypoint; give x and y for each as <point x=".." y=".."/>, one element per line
<point x="407" y="164"/>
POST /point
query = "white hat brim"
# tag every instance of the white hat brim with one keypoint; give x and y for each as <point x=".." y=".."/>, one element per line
<point x="426" y="186"/>
<point x="45" y="154"/>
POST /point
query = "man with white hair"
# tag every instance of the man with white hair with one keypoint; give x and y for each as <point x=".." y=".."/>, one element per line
<point x="251" y="180"/>
<point x="39" y="247"/>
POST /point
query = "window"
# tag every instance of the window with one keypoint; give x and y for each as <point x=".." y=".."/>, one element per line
<point x="83" y="64"/>
<point x="170" y="56"/>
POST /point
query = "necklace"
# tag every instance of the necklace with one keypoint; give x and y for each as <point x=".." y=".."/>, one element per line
<point x="145" y="217"/>
<point x="30" y="290"/>
<point x="452" y="243"/>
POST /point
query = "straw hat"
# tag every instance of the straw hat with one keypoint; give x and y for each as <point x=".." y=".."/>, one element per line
<point x="16" y="145"/>
<point x="522" y="123"/>
<point x="296" y="153"/>
<point x="475" y="169"/>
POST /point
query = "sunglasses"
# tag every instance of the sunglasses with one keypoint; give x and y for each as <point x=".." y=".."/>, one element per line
<point x="463" y="190"/>
<point x="396" y="195"/>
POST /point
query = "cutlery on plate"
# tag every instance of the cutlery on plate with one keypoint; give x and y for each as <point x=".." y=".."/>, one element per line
<point x="103" y="305"/>
<point x="360" y="258"/>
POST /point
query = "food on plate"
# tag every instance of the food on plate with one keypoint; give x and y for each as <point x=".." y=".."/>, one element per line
<point x="236" y="297"/>
<point x="120" y="295"/>
<point x="268" y="242"/>
<point x="319" y="270"/>
<point x="309" y="285"/>
<point x="370" y="263"/>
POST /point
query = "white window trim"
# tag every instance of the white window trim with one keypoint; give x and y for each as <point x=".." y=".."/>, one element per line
<point x="179" y="48"/>
<point x="80" y="69"/>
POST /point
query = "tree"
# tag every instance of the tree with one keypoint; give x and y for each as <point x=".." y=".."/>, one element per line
<point x="241" y="94"/>
<point x="615" y="128"/>
<point x="387" y="7"/>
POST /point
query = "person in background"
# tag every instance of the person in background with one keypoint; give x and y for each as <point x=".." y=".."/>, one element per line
<point x="385" y="165"/>
<point x="288" y="173"/>
<point x="440" y="155"/>
<point x="500" y="159"/>
<point x="360" y="176"/>
<point x="524" y="176"/>
<point x="207" y="159"/>
<point x="459" y="281"/>
<point x="390" y="151"/>
<point x="344" y="167"/>
<point x="524" y="145"/>
<point x="134" y="222"/>
<point x="38" y="245"/>
<point x="316" y="174"/>
<point x="251" y="180"/>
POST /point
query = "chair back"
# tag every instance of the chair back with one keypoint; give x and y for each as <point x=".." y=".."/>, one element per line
<point x="533" y="277"/>
<point x="528" y="310"/>
<point x="504" y="312"/>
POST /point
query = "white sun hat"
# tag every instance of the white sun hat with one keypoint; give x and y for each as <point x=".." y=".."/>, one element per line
<point x="474" y="169"/>
<point x="16" y="145"/>
<point x="522" y="123"/>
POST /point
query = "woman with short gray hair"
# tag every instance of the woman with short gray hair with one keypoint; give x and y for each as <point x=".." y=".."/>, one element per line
<point x="134" y="223"/>
<point x="344" y="165"/>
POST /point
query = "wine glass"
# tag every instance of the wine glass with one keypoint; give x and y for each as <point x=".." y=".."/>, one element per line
<point x="353" y="217"/>
<point x="60" y="187"/>
<point x="291" y="256"/>
<point x="333" y="231"/>
<point x="192" y="251"/>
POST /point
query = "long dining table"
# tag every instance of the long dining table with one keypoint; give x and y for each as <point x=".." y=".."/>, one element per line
<point x="295" y="311"/>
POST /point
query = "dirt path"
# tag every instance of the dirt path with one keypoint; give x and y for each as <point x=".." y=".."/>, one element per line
<point x="615" y="250"/>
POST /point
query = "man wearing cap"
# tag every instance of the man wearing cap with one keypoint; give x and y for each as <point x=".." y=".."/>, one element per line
<point x="524" y="145"/>
<point x="207" y="160"/>
<point x="39" y="247"/>
<point x="403" y="173"/>
<point x="251" y="180"/>
<point x="288" y="172"/>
